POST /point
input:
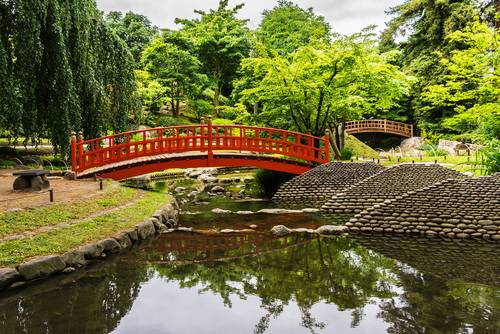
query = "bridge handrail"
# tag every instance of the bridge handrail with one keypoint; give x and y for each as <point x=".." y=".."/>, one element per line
<point x="202" y="137"/>
<point x="383" y="125"/>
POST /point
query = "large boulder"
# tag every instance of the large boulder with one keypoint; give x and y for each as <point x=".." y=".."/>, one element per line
<point x="91" y="251"/>
<point x="74" y="258"/>
<point x="145" y="229"/>
<point x="41" y="267"/>
<point x="110" y="245"/>
<point x="8" y="276"/>
<point x="280" y="230"/>
<point x="332" y="230"/>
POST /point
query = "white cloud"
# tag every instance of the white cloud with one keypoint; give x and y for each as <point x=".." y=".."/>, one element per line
<point x="345" y="17"/>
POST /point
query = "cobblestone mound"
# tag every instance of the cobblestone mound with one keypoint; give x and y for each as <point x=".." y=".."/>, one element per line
<point x="456" y="208"/>
<point x="388" y="184"/>
<point x="472" y="261"/>
<point x="320" y="183"/>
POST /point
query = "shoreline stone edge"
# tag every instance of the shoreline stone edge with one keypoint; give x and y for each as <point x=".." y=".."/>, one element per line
<point x="42" y="267"/>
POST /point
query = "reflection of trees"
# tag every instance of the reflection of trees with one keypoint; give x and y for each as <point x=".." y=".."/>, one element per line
<point x="92" y="300"/>
<point x="440" y="297"/>
<point x="432" y="305"/>
<point x="330" y="271"/>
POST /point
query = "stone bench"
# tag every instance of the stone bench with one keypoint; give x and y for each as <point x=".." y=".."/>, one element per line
<point x="32" y="180"/>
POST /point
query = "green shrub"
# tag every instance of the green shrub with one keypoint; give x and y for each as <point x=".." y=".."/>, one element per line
<point x="433" y="150"/>
<point x="346" y="153"/>
<point x="492" y="158"/>
<point x="267" y="182"/>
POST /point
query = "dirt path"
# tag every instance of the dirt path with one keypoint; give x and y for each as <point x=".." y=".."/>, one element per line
<point x="64" y="191"/>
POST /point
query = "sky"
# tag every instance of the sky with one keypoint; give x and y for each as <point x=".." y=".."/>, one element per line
<point x="345" y="16"/>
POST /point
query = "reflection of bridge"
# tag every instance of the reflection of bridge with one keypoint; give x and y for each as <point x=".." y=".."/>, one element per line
<point x="139" y="152"/>
<point x="379" y="125"/>
<point x="196" y="247"/>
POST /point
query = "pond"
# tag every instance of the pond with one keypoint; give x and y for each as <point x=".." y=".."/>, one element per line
<point x="253" y="282"/>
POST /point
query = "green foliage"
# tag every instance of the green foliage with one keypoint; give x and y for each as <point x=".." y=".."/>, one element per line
<point x="267" y="182"/>
<point x="135" y="29"/>
<point x="287" y="27"/>
<point x="360" y="149"/>
<point x="492" y="157"/>
<point x="220" y="41"/>
<point x="173" y="67"/>
<point x="433" y="151"/>
<point x="469" y="92"/>
<point x="324" y="84"/>
<point x="346" y="153"/>
<point x="65" y="70"/>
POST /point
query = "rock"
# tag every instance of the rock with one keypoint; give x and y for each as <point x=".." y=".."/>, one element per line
<point x="253" y="226"/>
<point x="248" y="179"/>
<point x="243" y="213"/>
<point x="156" y="223"/>
<point x="280" y="230"/>
<point x="217" y="190"/>
<point x="145" y="229"/>
<point x="41" y="267"/>
<point x="227" y="231"/>
<point x="68" y="270"/>
<point x="74" y="258"/>
<point x="124" y="240"/>
<point x="220" y="211"/>
<point x="171" y="223"/>
<point x="91" y="251"/>
<point x="192" y="194"/>
<point x="110" y="245"/>
<point x="332" y="229"/>
<point x="303" y="230"/>
<point x="179" y="190"/>
<point x="278" y="211"/>
<point x="185" y="229"/>
<point x="225" y="181"/>
<point x="71" y="176"/>
<point x="8" y="276"/>
<point x="310" y="210"/>
<point x="132" y="234"/>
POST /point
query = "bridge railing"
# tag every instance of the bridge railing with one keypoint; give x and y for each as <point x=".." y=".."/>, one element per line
<point x="379" y="125"/>
<point x="202" y="137"/>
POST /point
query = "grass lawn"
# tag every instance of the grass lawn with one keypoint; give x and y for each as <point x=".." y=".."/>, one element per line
<point x="64" y="239"/>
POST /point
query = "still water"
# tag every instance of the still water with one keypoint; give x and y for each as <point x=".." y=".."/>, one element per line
<point x="255" y="283"/>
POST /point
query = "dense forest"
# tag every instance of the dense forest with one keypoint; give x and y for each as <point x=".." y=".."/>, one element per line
<point x="65" y="66"/>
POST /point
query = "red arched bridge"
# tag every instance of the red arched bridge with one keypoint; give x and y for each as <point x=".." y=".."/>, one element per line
<point x="379" y="125"/>
<point x="124" y="155"/>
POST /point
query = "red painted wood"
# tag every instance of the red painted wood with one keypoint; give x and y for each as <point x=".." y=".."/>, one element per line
<point x="256" y="141"/>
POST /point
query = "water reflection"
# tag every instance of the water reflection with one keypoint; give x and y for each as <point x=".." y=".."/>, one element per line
<point x="241" y="283"/>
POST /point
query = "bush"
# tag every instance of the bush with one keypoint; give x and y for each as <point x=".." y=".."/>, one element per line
<point x="433" y="151"/>
<point x="346" y="153"/>
<point x="267" y="182"/>
<point x="492" y="158"/>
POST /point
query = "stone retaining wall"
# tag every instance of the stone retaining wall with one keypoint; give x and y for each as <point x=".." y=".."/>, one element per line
<point x="388" y="184"/>
<point x="320" y="183"/>
<point x="455" y="208"/>
<point x="41" y="267"/>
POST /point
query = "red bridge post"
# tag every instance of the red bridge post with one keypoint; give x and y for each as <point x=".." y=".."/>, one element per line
<point x="327" y="145"/>
<point x="210" y="151"/>
<point x="81" y="160"/>
<point x="73" y="151"/>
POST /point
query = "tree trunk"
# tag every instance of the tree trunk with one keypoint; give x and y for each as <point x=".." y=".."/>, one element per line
<point x="256" y="108"/>
<point x="177" y="108"/>
<point x="333" y="142"/>
<point x="216" y="100"/>
<point x="342" y="136"/>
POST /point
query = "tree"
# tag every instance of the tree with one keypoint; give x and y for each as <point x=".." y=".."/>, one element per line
<point x="287" y="27"/>
<point x="221" y="42"/>
<point x="418" y="29"/>
<point x="326" y="84"/>
<point x="135" y="29"/>
<point x="468" y="95"/>
<point x="63" y="70"/>
<point x="174" y="68"/>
